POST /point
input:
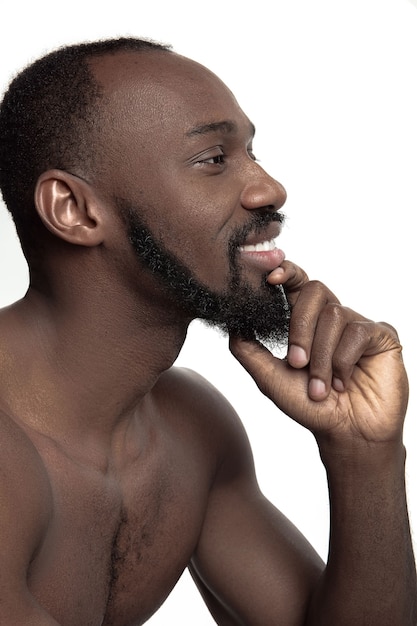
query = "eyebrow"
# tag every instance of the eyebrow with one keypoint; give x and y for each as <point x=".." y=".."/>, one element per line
<point x="224" y="126"/>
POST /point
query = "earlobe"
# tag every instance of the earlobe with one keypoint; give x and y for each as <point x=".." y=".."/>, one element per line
<point x="67" y="206"/>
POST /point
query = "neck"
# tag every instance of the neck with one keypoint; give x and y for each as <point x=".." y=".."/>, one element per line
<point x="91" y="362"/>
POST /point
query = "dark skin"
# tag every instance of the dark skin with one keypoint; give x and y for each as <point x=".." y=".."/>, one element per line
<point x="119" y="470"/>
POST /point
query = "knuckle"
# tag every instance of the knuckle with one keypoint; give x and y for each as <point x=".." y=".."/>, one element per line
<point x="318" y="287"/>
<point x="317" y="284"/>
<point x="361" y="330"/>
<point x="342" y="365"/>
<point x="334" y="313"/>
<point x="315" y="289"/>
<point x="390" y="329"/>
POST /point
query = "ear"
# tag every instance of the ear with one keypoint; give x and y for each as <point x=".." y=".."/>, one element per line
<point x="68" y="207"/>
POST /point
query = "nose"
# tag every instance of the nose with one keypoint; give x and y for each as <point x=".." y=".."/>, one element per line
<point x="261" y="191"/>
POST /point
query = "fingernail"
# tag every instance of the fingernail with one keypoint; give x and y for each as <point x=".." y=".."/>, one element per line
<point x="338" y="384"/>
<point x="276" y="274"/>
<point x="297" y="356"/>
<point x="316" y="387"/>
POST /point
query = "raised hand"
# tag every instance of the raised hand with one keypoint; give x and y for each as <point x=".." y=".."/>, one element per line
<point x="343" y="375"/>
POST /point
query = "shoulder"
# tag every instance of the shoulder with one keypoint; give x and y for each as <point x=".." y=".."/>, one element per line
<point x="204" y="409"/>
<point x="25" y="491"/>
<point x="197" y="397"/>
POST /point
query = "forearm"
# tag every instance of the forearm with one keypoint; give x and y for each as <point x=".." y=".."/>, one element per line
<point x="370" y="578"/>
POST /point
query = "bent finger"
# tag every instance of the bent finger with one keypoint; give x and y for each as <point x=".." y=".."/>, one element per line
<point x="312" y="304"/>
<point x="291" y="277"/>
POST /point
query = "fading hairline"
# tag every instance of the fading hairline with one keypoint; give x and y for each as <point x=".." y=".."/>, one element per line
<point x="101" y="102"/>
<point x="25" y="151"/>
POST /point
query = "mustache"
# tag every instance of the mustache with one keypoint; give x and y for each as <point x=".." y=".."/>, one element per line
<point x="257" y="223"/>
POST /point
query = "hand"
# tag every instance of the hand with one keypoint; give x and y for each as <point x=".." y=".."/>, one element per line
<point x="343" y="375"/>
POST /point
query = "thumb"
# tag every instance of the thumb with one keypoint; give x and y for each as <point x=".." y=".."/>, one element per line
<point x="267" y="370"/>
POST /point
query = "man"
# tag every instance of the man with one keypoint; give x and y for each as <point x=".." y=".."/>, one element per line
<point x="131" y="177"/>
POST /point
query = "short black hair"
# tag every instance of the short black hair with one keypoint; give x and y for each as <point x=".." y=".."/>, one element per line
<point x="47" y="119"/>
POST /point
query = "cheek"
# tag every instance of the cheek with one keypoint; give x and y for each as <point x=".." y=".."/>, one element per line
<point x="186" y="227"/>
<point x="194" y="222"/>
<point x="198" y="246"/>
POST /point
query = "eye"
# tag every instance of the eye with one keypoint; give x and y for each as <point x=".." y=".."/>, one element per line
<point x="219" y="159"/>
<point x="211" y="158"/>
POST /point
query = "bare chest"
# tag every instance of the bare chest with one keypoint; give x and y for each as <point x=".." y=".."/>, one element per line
<point x="114" y="550"/>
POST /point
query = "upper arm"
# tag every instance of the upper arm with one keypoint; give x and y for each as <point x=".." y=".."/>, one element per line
<point x="251" y="564"/>
<point x="25" y="508"/>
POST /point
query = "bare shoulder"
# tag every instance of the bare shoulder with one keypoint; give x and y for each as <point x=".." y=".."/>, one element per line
<point x="201" y="407"/>
<point x="195" y="396"/>
<point x="25" y="492"/>
<point x="190" y="386"/>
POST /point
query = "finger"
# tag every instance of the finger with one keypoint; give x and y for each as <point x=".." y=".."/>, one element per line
<point x="291" y="276"/>
<point x="362" y="338"/>
<point x="342" y="338"/>
<point x="311" y="302"/>
<point x="330" y="327"/>
<point x="257" y="361"/>
<point x="286" y="387"/>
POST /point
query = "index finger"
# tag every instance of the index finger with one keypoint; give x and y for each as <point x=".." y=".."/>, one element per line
<point x="292" y="277"/>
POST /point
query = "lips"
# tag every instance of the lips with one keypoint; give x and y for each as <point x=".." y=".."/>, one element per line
<point x="258" y="249"/>
<point x="262" y="255"/>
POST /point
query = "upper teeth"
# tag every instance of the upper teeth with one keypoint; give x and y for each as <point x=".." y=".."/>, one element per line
<point x="265" y="246"/>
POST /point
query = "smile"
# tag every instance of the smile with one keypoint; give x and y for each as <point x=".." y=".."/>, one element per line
<point x="264" y="246"/>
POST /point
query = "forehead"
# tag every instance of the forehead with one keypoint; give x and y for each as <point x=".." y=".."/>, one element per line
<point x="151" y="91"/>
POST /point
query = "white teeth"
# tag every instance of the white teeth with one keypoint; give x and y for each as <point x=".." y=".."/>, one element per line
<point x="265" y="246"/>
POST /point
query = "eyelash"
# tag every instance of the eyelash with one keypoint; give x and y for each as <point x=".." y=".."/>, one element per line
<point x="222" y="159"/>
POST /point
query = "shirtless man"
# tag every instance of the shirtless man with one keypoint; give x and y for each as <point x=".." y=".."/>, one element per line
<point x="130" y="174"/>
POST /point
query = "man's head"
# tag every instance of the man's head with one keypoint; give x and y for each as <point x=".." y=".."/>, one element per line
<point x="164" y="149"/>
<point x="49" y="118"/>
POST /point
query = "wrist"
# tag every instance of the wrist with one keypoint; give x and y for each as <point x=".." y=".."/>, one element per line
<point x="360" y="453"/>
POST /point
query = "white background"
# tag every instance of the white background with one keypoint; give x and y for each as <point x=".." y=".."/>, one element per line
<point x="332" y="89"/>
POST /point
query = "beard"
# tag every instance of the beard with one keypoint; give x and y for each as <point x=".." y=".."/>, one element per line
<point x="261" y="313"/>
